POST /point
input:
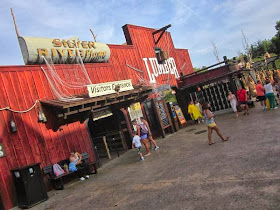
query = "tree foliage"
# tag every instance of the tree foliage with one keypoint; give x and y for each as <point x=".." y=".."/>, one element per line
<point x="276" y="39"/>
<point x="169" y="97"/>
<point x="259" y="48"/>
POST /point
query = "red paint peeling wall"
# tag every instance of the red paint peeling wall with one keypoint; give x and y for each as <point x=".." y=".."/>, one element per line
<point x="20" y="86"/>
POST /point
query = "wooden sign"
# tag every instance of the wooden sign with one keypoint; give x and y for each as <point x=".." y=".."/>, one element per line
<point x="102" y="89"/>
<point x="180" y="115"/>
<point x="62" y="51"/>
<point x="2" y="151"/>
<point x="163" y="116"/>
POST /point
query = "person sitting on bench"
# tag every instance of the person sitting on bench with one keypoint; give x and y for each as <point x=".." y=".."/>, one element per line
<point x="76" y="158"/>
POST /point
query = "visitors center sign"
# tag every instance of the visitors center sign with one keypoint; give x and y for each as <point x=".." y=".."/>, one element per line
<point x="62" y="50"/>
<point x="107" y="88"/>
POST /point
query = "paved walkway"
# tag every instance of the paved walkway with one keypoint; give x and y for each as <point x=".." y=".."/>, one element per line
<point x="187" y="173"/>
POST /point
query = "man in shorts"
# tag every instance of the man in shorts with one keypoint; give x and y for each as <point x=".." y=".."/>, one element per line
<point x="242" y="97"/>
<point x="260" y="93"/>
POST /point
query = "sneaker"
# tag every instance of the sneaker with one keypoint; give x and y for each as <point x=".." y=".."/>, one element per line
<point x="147" y="154"/>
<point x="276" y="107"/>
<point x="82" y="179"/>
<point x="87" y="176"/>
<point x="142" y="158"/>
<point x="156" y="148"/>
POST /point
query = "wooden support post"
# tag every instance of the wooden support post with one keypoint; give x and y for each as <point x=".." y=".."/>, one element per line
<point x="106" y="147"/>
<point x="123" y="140"/>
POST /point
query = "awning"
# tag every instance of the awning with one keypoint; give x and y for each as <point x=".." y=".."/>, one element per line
<point x="63" y="109"/>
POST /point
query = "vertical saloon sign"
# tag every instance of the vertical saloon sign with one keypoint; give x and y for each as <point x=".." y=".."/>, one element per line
<point x="62" y="51"/>
<point x="169" y="67"/>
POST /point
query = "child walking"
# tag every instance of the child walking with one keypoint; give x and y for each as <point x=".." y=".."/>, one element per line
<point x="210" y="122"/>
<point x="136" y="143"/>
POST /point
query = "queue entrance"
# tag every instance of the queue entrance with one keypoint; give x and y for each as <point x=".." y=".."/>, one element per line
<point x="108" y="122"/>
<point x="109" y="133"/>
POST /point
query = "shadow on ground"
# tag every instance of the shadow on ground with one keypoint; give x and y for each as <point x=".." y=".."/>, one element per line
<point x="187" y="173"/>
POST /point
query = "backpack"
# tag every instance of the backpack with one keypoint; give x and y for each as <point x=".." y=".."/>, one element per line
<point x="57" y="170"/>
<point x="143" y="129"/>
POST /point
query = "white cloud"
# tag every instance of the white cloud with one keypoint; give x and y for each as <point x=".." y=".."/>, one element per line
<point x="194" y="23"/>
<point x="222" y="22"/>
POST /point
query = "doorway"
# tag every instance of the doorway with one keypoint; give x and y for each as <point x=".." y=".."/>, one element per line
<point x="108" y="134"/>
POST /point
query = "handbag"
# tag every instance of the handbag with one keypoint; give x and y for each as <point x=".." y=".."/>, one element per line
<point x="57" y="170"/>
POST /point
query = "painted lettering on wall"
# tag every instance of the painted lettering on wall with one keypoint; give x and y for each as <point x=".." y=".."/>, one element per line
<point x="154" y="69"/>
<point x="62" y="51"/>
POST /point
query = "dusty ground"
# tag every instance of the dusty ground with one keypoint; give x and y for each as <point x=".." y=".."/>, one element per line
<point x="187" y="173"/>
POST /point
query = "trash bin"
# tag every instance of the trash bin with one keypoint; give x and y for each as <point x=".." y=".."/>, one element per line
<point x="29" y="185"/>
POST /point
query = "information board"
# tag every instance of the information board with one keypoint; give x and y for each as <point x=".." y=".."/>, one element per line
<point x="163" y="114"/>
<point x="180" y="115"/>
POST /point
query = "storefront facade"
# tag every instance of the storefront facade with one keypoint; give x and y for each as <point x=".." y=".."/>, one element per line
<point x="22" y="86"/>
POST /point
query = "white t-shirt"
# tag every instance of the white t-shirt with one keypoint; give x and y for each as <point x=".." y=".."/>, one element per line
<point x="136" y="141"/>
<point x="268" y="88"/>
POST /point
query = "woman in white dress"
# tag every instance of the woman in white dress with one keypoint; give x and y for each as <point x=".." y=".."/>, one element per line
<point x="233" y="102"/>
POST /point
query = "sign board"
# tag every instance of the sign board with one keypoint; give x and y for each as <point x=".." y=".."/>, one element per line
<point x="154" y="69"/>
<point x="163" y="114"/>
<point x="2" y="151"/>
<point x="102" y="89"/>
<point x="60" y="51"/>
<point x="135" y="106"/>
<point x="180" y="115"/>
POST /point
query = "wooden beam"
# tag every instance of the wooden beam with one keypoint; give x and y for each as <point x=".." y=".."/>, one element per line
<point x="106" y="147"/>
<point x="15" y="23"/>
<point x="162" y="30"/>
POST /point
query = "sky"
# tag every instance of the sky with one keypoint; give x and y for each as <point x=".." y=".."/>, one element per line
<point x="195" y="23"/>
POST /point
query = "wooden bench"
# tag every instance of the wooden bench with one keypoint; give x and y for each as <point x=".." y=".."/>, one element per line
<point x="57" y="181"/>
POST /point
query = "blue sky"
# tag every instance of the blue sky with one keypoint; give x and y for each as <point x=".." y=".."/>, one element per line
<point x="195" y="23"/>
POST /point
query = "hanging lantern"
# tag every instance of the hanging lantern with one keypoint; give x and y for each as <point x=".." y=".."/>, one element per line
<point x="13" y="126"/>
<point x="44" y="120"/>
<point x="40" y="117"/>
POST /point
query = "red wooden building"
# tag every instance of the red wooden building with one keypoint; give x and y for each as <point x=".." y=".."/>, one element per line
<point x="21" y="86"/>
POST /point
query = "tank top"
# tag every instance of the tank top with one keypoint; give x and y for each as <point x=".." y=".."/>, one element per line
<point x="76" y="159"/>
<point x="207" y="120"/>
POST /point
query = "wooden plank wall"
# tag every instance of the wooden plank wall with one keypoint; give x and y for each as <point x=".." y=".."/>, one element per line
<point x="20" y="86"/>
<point x="142" y="39"/>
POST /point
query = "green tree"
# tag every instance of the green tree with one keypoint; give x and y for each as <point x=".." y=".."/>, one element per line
<point x="259" y="48"/>
<point x="169" y="97"/>
<point x="276" y="39"/>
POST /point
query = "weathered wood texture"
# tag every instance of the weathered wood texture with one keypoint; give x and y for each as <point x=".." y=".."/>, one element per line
<point x="20" y="86"/>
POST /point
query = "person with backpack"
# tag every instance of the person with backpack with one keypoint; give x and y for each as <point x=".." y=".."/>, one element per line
<point x="146" y="128"/>
<point x="143" y="133"/>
